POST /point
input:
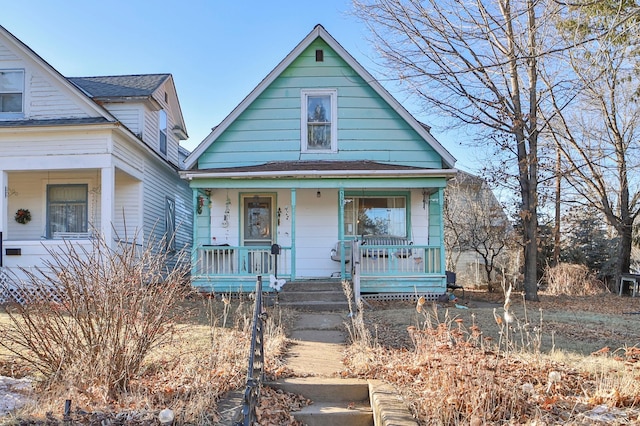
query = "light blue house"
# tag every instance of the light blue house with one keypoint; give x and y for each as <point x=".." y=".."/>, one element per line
<point x="318" y="155"/>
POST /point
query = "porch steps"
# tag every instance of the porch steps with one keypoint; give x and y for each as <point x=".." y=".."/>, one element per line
<point x="314" y="295"/>
<point x="334" y="401"/>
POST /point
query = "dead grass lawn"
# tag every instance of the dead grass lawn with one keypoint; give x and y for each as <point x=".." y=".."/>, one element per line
<point x="563" y="360"/>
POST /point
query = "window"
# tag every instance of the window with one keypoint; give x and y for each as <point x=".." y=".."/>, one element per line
<point x="67" y="209"/>
<point x="375" y="215"/>
<point x="319" y="116"/>
<point x="170" y="223"/>
<point x="11" y="89"/>
<point x="162" y="125"/>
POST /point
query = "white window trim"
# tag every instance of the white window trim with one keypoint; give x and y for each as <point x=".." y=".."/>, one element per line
<point x="93" y="201"/>
<point x="170" y="223"/>
<point x="68" y="235"/>
<point x="304" y="94"/>
<point x="165" y="133"/>
<point x="13" y="115"/>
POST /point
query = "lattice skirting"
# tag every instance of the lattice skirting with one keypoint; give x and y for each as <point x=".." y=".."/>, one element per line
<point x="10" y="293"/>
<point x="411" y="297"/>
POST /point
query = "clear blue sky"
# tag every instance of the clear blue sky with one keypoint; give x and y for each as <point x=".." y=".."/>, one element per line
<point x="217" y="50"/>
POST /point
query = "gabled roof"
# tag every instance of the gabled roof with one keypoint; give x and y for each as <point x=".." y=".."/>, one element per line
<point x="83" y="97"/>
<point x="33" y="56"/>
<point x="319" y="32"/>
<point x="120" y="86"/>
<point x="132" y="88"/>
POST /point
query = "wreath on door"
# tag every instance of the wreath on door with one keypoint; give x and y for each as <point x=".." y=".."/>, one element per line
<point x="23" y="216"/>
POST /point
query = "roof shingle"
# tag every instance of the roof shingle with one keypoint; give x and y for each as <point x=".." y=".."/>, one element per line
<point x="117" y="86"/>
<point x="53" y="122"/>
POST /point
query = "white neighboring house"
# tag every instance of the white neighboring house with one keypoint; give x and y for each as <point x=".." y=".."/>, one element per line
<point x="84" y="155"/>
<point x="474" y="218"/>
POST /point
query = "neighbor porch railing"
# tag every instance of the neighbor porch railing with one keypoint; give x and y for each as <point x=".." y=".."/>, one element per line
<point x="241" y="261"/>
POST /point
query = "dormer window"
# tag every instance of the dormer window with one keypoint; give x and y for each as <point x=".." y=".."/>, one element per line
<point x="162" y="125"/>
<point x="11" y="92"/>
<point x="319" y="121"/>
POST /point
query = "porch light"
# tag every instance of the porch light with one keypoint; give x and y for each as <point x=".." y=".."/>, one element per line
<point x="318" y="194"/>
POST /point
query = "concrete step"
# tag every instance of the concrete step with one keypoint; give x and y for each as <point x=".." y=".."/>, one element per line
<point x="335" y="401"/>
<point x="313" y="295"/>
<point x="317" y="296"/>
<point x="317" y="306"/>
<point x="324" y="389"/>
<point x="331" y="414"/>
<point x="313" y="285"/>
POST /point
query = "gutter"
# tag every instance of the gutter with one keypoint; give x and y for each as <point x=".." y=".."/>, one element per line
<point x="190" y="175"/>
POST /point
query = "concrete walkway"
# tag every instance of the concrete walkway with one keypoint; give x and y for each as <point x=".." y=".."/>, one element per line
<point x="319" y="341"/>
<point x="315" y="358"/>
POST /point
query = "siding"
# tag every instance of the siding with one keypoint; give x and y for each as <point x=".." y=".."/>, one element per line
<point x="150" y="134"/>
<point x="127" y="213"/>
<point x="270" y="129"/>
<point x="48" y="101"/>
<point x="29" y="189"/>
<point x="6" y="54"/>
<point x="129" y="154"/>
<point x="130" y="115"/>
<point x="159" y="181"/>
<point x="44" y="96"/>
<point x="316" y="233"/>
<point x="50" y="145"/>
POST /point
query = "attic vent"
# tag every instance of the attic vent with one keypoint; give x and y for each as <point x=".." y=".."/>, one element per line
<point x="166" y="97"/>
<point x="319" y="55"/>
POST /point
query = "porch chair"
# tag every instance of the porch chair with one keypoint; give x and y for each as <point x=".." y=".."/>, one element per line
<point x="451" y="283"/>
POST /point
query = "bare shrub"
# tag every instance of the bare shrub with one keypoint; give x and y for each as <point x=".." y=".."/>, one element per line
<point x="572" y="279"/>
<point x="358" y="331"/>
<point x="113" y="306"/>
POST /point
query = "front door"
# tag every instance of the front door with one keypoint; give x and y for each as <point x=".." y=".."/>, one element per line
<point x="257" y="230"/>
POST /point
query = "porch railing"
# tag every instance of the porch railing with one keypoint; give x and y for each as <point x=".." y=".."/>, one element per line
<point x="255" y="371"/>
<point x="399" y="260"/>
<point x="242" y="261"/>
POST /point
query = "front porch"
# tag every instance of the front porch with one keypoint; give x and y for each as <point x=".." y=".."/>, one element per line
<point x="381" y="268"/>
<point x="239" y="219"/>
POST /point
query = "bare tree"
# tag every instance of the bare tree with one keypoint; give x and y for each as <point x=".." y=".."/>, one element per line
<point x="598" y="137"/>
<point x="478" y="63"/>
<point x="476" y="221"/>
<point x="453" y="211"/>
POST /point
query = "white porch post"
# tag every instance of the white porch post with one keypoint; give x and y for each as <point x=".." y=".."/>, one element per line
<point x="108" y="193"/>
<point x="4" y="187"/>
<point x="293" y="233"/>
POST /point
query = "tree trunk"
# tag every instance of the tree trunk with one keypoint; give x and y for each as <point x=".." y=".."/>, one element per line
<point x="556" y="225"/>
<point x="531" y="260"/>
<point x="623" y="265"/>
